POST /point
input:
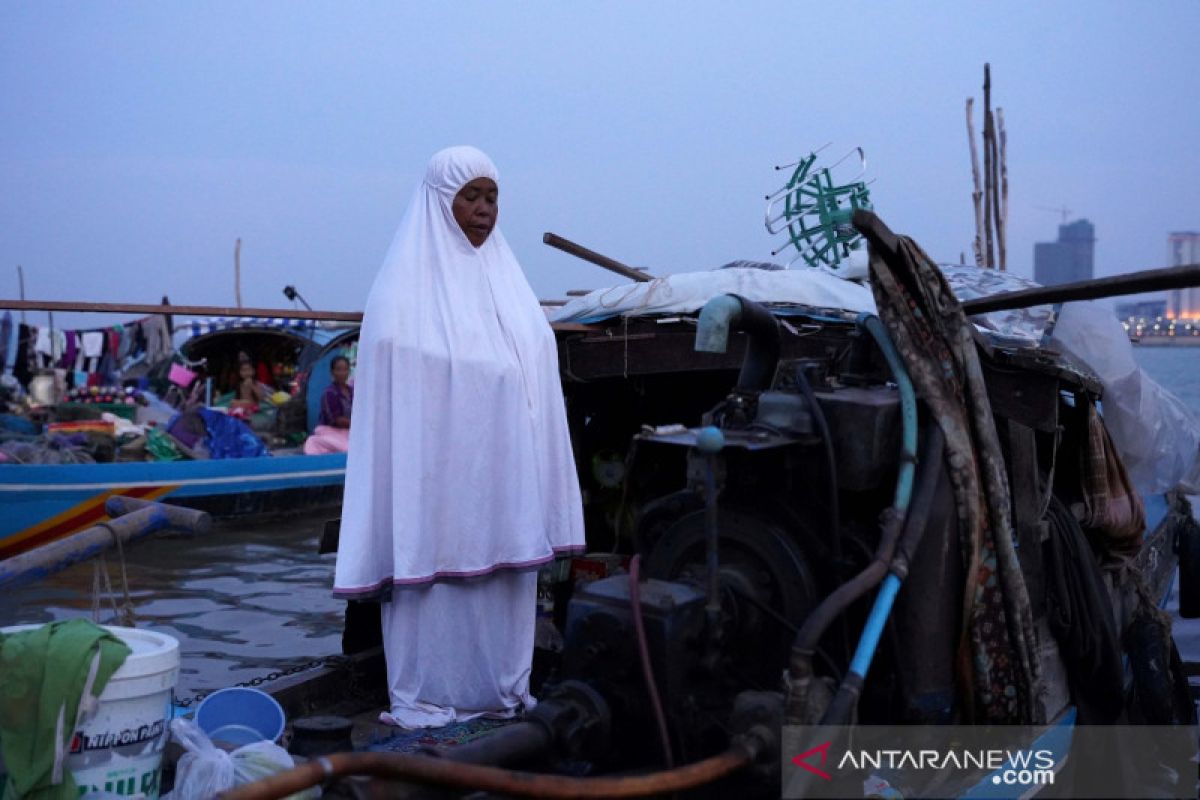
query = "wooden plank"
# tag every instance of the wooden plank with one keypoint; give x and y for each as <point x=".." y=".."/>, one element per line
<point x="579" y="251"/>
<point x="197" y="311"/>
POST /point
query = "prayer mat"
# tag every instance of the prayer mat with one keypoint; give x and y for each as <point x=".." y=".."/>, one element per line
<point x="456" y="733"/>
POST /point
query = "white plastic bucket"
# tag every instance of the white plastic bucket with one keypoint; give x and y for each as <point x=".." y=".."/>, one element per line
<point x="118" y="749"/>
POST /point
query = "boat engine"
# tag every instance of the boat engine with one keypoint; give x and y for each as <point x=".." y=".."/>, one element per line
<point x="770" y="522"/>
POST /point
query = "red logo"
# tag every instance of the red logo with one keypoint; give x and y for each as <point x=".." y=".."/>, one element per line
<point x="801" y="760"/>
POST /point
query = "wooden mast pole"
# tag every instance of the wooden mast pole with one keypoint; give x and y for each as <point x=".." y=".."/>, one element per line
<point x="237" y="272"/>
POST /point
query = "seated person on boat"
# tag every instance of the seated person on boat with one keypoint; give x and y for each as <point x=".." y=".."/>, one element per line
<point x="332" y="434"/>
<point x="251" y="392"/>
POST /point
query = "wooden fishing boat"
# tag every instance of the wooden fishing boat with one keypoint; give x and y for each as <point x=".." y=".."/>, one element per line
<point x="44" y="502"/>
<point x="758" y="484"/>
<point x="774" y="490"/>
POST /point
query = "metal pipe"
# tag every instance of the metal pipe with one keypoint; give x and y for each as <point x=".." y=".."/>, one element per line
<point x="882" y="238"/>
<point x="579" y="251"/>
<point x="40" y="562"/>
<point x="474" y="777"/>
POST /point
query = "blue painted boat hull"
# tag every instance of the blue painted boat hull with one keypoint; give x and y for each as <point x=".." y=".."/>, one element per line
<point x="44" y="502"/>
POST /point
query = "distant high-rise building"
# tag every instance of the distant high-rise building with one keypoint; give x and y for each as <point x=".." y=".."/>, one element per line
<point x="1183" y="248"/>
<point x="1070" y="258"/>
<point x="1146" y="309"/>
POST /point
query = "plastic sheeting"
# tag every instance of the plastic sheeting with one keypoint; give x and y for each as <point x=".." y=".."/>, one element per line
<point x="1157" y="435"/>
<point x="230" y="438"/>
<point x="686" y="292"/>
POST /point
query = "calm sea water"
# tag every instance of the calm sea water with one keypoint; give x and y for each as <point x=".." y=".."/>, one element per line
<point x="242" y="601"/>
<point x="1176" y="368"/>
<point x="246" y="601"/>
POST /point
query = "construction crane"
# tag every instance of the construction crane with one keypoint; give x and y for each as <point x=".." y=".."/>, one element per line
<point x="1066" y="212"/>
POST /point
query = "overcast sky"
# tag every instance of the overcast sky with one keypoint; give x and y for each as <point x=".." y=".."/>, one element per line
<point x="139" y="140"/>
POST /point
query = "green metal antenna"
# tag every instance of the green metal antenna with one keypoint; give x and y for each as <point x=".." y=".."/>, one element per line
<point x="816" y="212"/>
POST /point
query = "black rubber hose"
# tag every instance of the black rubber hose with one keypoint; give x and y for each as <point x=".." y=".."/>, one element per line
<point x="835" y="514"/>
<point x="929" y="474"/>
<point x="845" y="701"/>
<point x="762" y="354"/>
<point x="913" y="529"/>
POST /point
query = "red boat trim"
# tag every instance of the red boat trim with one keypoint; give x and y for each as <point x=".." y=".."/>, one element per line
<point x="74" y="519"/>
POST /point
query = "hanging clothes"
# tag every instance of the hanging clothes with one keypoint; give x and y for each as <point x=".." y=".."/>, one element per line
<point x="23" y="363"/>
<point x="43" y="346"/>
<point x="158" y="339"/>
<point x="69" y="350"/>
<point x="128" y="337"/>
<point x="457" y="396"/>
<point x="7" y="342"/>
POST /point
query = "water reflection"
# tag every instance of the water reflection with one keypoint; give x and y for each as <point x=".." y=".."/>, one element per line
<point x="243" y="601"/>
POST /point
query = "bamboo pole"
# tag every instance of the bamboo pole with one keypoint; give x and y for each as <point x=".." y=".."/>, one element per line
<point x="1003" y="189"/>
<point x="977" y="193"/>
<point x="132" y="521"/>
<point x="237" y="272"/>
<point x="1153" y="280"/>
<point x="994" y="192"/>
<point x="21" y="281"/>
<point x="989" y="249"/>
<point x="579" y="251"/>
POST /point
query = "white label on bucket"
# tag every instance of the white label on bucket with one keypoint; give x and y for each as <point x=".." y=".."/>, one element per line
<point x="118" y="750"/>
<point x="125" y="777"/>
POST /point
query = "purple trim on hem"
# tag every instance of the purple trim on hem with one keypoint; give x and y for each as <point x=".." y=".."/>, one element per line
<point x="376" y="588"/>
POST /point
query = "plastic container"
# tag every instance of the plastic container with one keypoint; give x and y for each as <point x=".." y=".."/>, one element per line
<point x="181" y="376"/>
<point x="240" y="715"/>
<point x="118" y="750"/>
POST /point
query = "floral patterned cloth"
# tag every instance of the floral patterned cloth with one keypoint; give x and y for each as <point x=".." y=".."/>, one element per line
<point x="997" y="651"/>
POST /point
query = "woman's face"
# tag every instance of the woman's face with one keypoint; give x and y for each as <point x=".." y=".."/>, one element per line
<point x="475" y="209"/>
<point x="341" y="371"/>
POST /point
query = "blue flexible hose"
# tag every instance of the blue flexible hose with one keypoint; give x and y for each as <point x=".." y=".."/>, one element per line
<point x="908" y="408"/>
<point x="869" y="639"/>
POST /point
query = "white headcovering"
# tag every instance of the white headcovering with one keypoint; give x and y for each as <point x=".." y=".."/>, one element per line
<point x="460" y="462"/>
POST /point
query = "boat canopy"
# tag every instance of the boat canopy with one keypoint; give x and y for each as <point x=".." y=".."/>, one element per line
<point x="285" y="347"/>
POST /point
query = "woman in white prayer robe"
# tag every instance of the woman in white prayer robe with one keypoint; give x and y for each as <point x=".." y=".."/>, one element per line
<point x="460" y="479"/>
